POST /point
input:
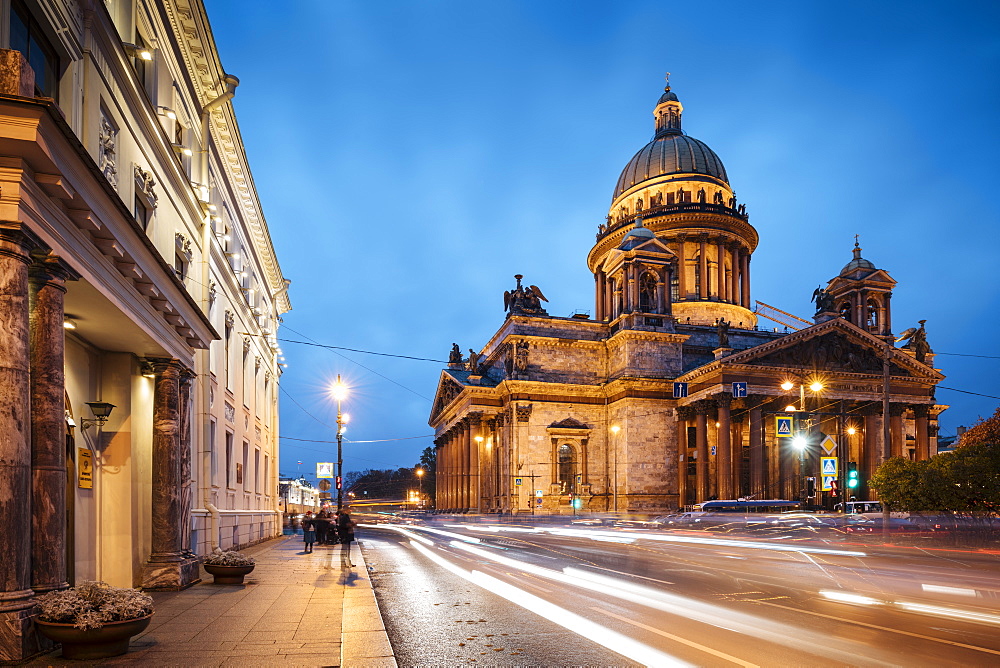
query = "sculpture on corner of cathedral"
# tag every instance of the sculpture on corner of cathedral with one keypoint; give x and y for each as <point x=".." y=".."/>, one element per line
<point x="523" y="300"/>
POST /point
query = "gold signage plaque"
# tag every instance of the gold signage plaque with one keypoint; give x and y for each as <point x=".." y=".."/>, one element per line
<point x="85" y="468"/>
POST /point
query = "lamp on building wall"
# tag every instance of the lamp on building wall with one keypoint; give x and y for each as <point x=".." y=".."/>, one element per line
<point x="168" y="112"/>
<point x="140" y="52"/>
<point x="183" y="150"/>
<point x="101" y="410"/>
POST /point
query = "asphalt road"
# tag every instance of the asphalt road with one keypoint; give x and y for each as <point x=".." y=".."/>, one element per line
<point x="455" y="593"/>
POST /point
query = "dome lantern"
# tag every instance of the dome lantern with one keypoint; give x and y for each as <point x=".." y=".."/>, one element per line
<point x="668" y="112"/>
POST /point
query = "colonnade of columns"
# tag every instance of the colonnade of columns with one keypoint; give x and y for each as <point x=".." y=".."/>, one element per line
<point x="32" y="434"/>
<point x="620" y="293"/>
<point x="471" y="475"/>
<point x="748" y="459"/>
<point x="33" y="469"/>
<point x="732" y="286"/>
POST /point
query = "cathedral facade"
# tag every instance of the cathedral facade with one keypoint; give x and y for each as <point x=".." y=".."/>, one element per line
<point x="673" y="393"/>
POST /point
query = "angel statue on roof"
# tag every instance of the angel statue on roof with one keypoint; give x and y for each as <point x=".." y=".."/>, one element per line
<point x="524" y="300"/>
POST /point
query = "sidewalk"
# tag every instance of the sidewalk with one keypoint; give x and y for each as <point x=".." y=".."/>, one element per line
<point x="294" y="610"/>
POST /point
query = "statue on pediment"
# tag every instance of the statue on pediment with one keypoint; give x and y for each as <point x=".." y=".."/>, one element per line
<point x="916" y="340"/>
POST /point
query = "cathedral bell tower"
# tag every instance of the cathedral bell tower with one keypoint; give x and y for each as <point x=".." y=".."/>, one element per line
<point x="674" y="192"/>
<point x="861" y="294"/>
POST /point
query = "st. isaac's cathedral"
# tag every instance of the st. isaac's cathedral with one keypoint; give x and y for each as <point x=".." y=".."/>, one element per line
<point x="671" y="393"/>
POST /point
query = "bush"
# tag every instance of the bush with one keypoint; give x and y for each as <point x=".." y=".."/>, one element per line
<point x="90" y="605"/>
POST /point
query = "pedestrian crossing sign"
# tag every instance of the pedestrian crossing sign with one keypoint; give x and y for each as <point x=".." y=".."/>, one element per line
<point x="828" y="466"/>
<point x="829" y="483"/>
<point x="783" y="426"/>
<point x="518" y="482"/>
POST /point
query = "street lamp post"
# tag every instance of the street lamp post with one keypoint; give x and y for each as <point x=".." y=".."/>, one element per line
<point x="339" y="392"/>
<point x="799" y="442"/>
<point x="420" y="485"/>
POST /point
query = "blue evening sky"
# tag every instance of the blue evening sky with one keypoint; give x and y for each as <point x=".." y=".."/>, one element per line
<point x="412" y="156"/>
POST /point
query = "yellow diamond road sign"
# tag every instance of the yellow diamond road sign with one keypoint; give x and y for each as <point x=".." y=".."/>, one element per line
<point x="828" y="445"/>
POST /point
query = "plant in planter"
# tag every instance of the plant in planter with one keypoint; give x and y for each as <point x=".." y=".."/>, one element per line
<point x="228" y="567"/>
<point x="93" y="620"/>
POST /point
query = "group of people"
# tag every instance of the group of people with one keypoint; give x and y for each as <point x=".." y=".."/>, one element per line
<point x="328" y="528"/>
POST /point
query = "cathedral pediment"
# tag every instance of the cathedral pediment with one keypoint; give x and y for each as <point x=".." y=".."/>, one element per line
<point x="833" y="346"/>
<point x="448" y="389"/>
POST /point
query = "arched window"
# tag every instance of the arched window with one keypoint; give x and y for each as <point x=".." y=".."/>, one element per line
<point x="566" y="463"/>
<point x="872" y="315"/>
<point x="647" y="293"/>
<point x="845" y="311"/>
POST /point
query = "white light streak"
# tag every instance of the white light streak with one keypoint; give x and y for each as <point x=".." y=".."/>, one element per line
<point x="848" y="597"/>
<point x="942" y="589"/>
<point x="937" y="611"/>
<point x="582" y="626"/>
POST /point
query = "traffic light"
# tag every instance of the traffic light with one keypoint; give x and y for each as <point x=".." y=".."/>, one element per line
<point x="852" y="475"/>
<point x="810" y="487"/>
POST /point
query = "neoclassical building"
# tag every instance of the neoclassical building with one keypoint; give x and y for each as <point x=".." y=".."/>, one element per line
<point x="137" y="277"/>
<point x="673" y="393"/>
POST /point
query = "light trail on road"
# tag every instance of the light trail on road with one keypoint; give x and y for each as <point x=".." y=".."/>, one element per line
<point x="702" y="612"/>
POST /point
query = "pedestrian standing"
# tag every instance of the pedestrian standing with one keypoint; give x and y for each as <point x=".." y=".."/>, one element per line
<point x="322" y="523"/>
<point x="345" y="530"/>
<point x="308" y="532"/>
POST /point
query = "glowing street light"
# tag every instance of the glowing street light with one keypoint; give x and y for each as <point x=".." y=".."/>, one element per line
<point x="420" y="483"/>
<point x="339" y="392"/>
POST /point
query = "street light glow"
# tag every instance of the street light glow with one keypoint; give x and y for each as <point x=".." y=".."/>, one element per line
<point x="799" y="443"/>
<point x="816" y="387"/>
<point x="615" y="429"/>
<point x="339" y="391"/>
<point x="787" y="385"/>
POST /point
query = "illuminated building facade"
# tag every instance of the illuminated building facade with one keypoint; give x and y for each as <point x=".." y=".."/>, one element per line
<point x="136" y="272"/>
<point x="672" y="393"/>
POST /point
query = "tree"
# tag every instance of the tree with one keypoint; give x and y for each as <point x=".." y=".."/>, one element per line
<point x="963" y="482"/>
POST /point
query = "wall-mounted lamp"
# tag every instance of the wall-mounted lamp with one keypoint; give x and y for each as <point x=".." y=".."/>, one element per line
<point x="168" y="112"/>
<point x="146" y="369"/>
<point x="101" y="410"/>
<point x="140" y="52"/>
<point x="184" y="150"/>
<point x="68" y="323"/>
<point x="213" y="208"/>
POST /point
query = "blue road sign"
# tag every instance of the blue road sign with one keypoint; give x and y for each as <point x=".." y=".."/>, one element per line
<point x="783" y="426"/>
<point x="739" y="390"/>
<point x="680" y="390"/>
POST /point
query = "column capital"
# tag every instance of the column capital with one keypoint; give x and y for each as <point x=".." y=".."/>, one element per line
<point x="166" y="366"/>
<point x="723" y="399"/>
<point x="685" y="412"/>
<point x="17" y="241"/>
<point x="704" y="406"/>
<point x="921" y="410"/>
<point x="49" y="268"/>
<point x="896" y="410"/>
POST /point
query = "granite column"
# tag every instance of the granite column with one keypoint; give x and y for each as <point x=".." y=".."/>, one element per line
<point x="47" y="289"/>
<point x="167" y="567"/>
<point x="17" y="641"/>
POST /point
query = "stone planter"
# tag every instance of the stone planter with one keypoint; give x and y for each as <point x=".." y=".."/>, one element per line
<point x="110" y="640"/>
<point x="228" y="575"/>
